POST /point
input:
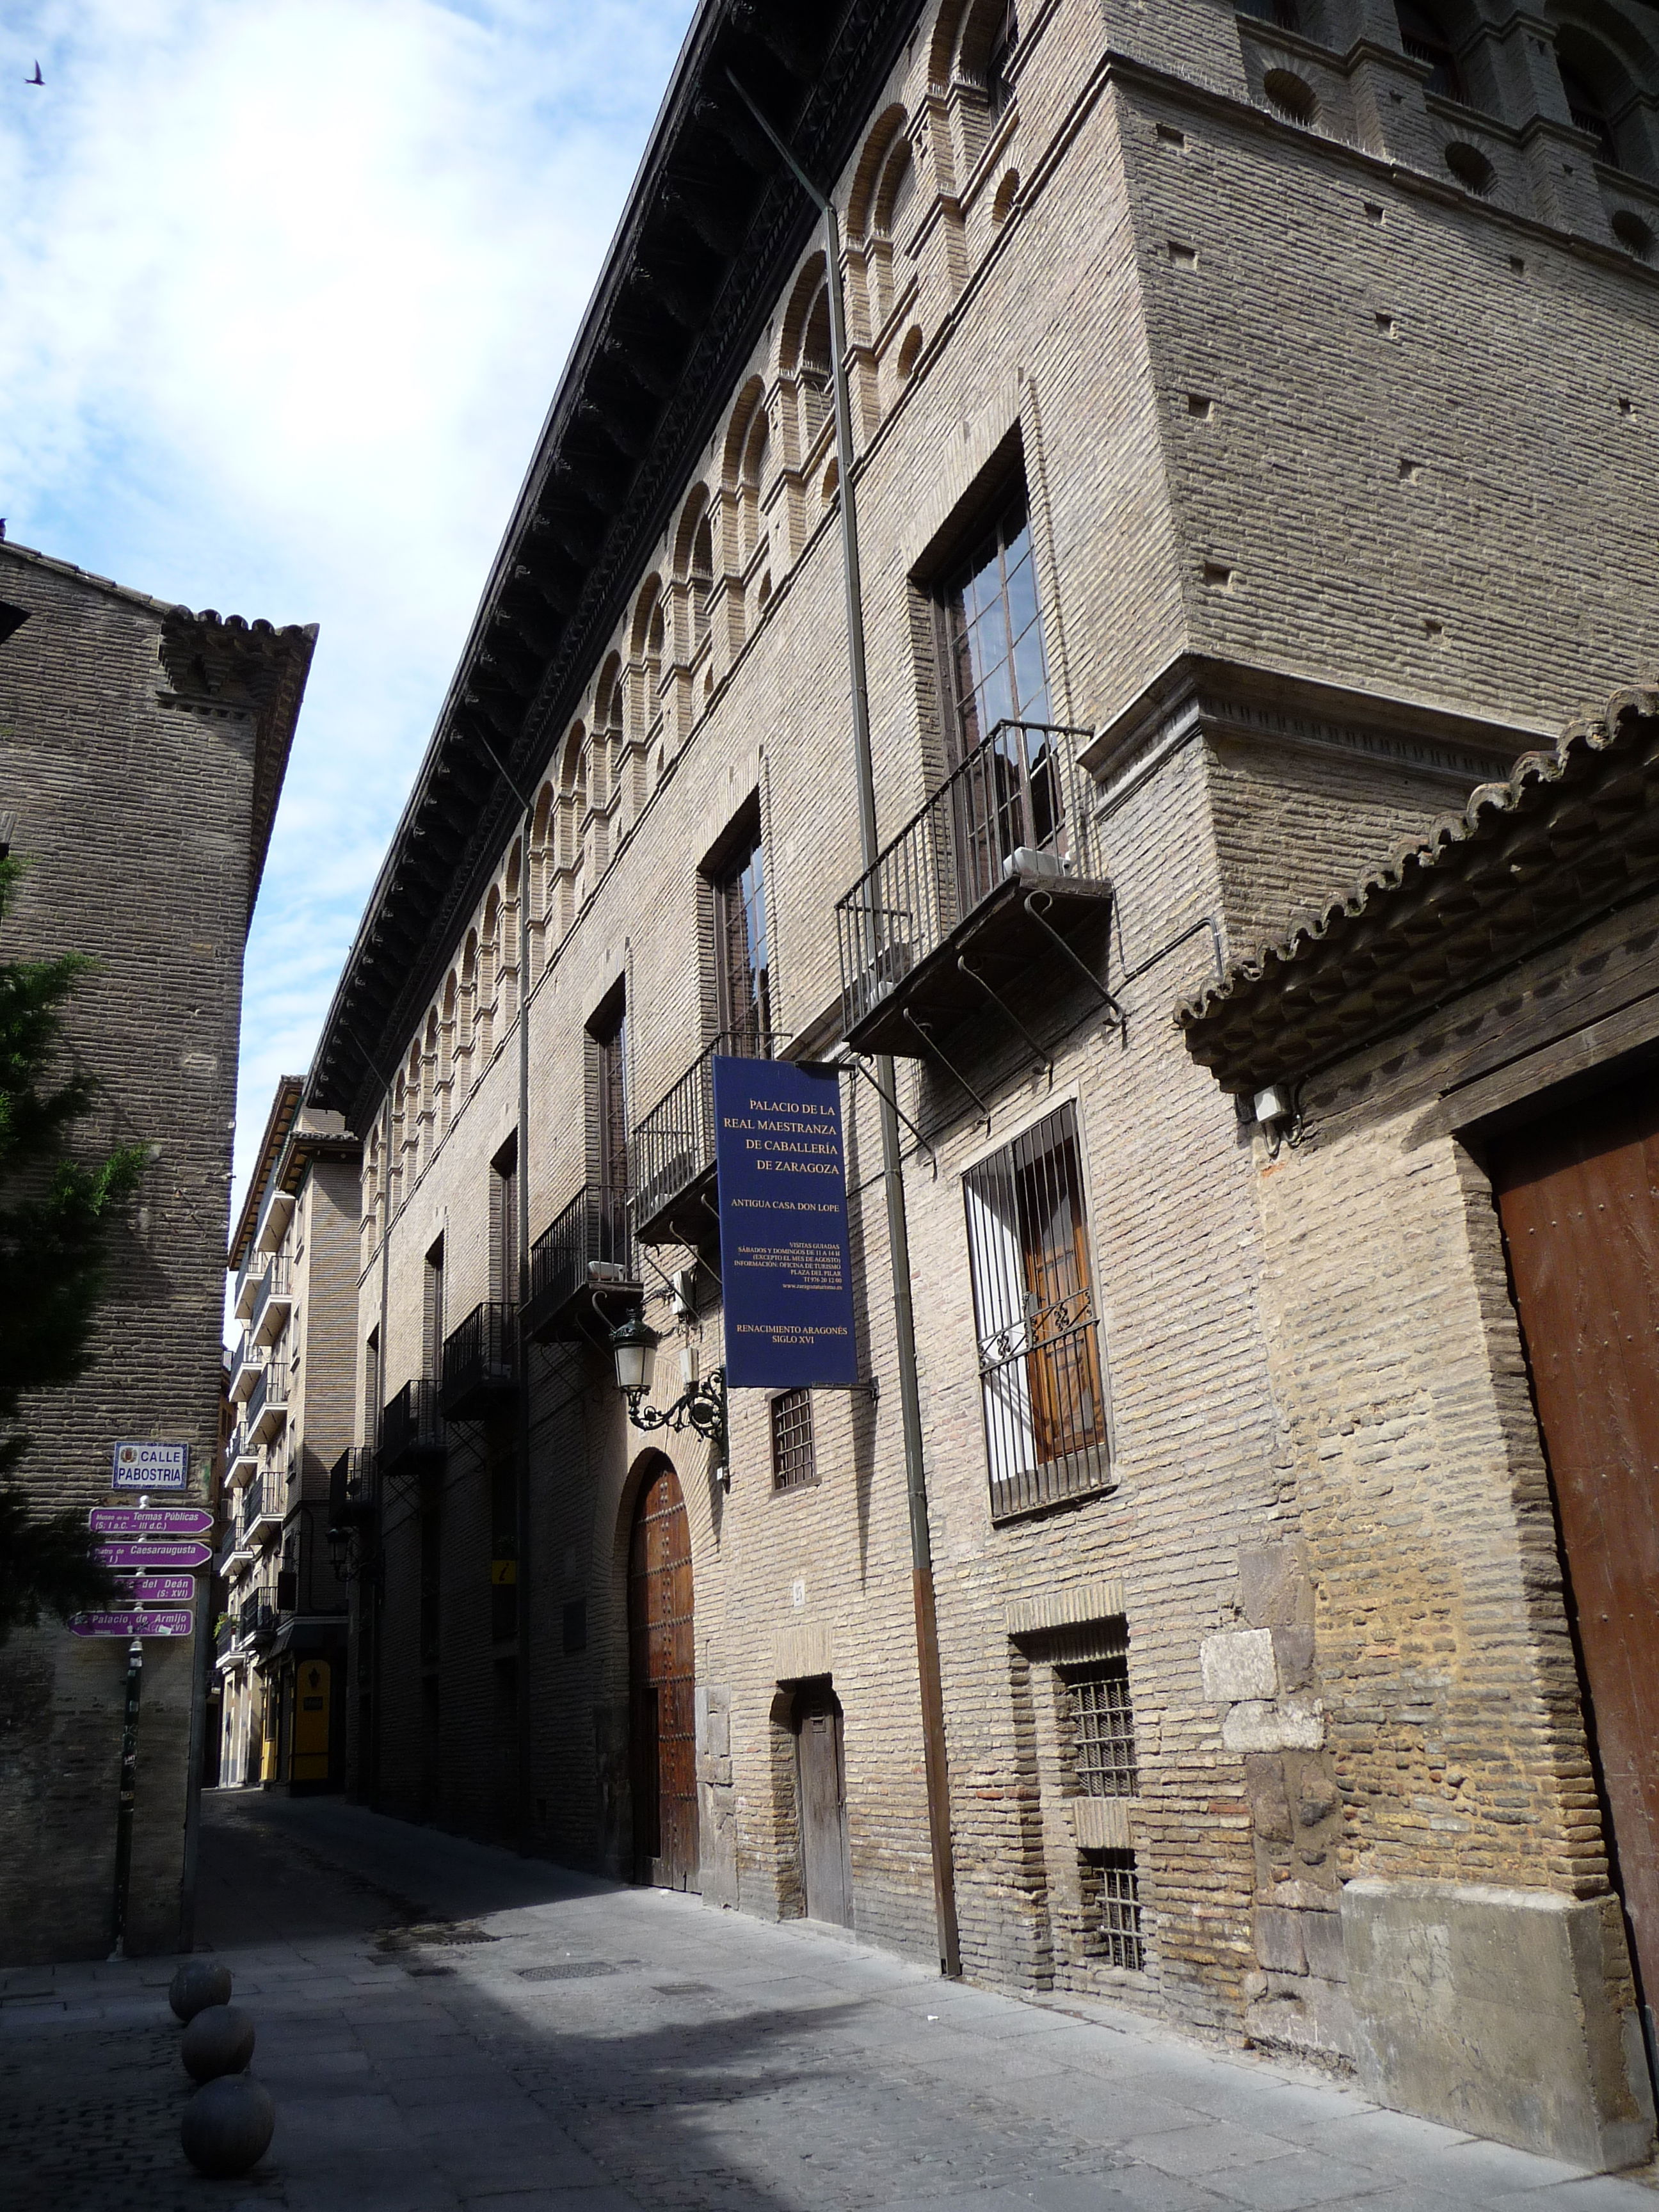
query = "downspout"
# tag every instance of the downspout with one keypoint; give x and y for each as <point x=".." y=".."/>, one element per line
<point x="892" y="1167"/>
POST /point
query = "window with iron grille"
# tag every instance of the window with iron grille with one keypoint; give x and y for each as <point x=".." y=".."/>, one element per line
<point x="607" y="1101"/>
<point x="792" y="1461"/>
<point x="1112" y="1902"/>
<point x="1041" y="1383"/>
<point x="1102" y="1730"/>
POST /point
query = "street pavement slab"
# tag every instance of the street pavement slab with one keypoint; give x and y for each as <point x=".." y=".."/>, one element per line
<point x="448" y="2028"/>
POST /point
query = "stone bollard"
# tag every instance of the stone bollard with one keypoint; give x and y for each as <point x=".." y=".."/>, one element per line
<point x="228" y="2126"/>
<point x="219" y="2040"/>
<point x="197" y="1984"/>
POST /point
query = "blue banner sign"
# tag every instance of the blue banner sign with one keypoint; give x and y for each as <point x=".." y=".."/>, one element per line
<point x="784" y="1261"/>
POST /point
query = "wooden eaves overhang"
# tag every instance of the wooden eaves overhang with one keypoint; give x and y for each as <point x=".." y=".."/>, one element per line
<point x="1569" y="835"/>
<point x="280" y="1120"/>
<point x="713" y="225"/>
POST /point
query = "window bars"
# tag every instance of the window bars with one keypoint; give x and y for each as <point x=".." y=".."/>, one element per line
<point x="794" y="1465"/>
<point x="1116" y="1899"/>
<point x="1039" y="1356"/>
<point x="1103" y="1731"/>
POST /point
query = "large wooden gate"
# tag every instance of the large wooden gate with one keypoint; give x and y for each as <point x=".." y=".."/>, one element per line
<point x="663" y="1737"/>
<point x="1578" y="1194"/>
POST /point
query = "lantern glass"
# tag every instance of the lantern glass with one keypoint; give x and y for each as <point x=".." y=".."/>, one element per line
<point x="634" y="1347"/>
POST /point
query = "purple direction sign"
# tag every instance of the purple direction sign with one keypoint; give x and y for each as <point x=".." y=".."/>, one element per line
<point x="157" y="1559"/>
<point x="131" y="1623"/>
<point x="163" y="1590"/>
<point x="149" y="1520"/>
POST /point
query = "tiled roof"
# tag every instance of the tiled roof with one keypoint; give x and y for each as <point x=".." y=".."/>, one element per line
<point x="1568" y="833"/>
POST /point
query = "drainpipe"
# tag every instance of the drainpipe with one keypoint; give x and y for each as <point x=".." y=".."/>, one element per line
<point x="892" y="1158"/>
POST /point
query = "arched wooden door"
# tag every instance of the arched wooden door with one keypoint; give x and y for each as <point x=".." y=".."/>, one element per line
<point x="663" y="1745"/>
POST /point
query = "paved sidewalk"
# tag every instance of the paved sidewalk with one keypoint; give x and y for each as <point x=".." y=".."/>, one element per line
<point x="443" y="2026"/>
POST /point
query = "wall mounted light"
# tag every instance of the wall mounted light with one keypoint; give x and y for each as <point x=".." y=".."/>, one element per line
<point x="701" y="1406"/>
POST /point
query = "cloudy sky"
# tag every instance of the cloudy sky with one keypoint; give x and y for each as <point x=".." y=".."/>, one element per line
<point x="285" y="288"/>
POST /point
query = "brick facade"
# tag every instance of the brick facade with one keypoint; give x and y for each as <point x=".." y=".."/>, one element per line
<point x="141" y="749"/>
<point x="1305" y="510"/>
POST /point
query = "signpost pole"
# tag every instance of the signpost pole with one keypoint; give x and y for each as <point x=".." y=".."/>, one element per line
<point x="128" y="1794"/>
<point x="892" y="1156"/>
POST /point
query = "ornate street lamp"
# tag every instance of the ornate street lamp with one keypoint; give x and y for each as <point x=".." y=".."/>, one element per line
<point x="701" y="1406"/>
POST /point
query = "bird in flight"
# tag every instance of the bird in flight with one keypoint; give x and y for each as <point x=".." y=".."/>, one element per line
<point x="37" y="78"/>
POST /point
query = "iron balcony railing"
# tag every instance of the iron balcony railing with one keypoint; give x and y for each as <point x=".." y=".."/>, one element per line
<point x="411" y="1427"/>
<point x="258" y="1621"/>
<point x="224" y="1636"/>
<point x="247" y="1282"/>
<point x="480" y="1358"/>
<point x="273" y="1284"/>
<point x="267" y="1405"/>
<point x="351" y="1489"/>
<point x="674" y="1146"/>
<point x="590" y="1243"/>
<point x="1016" y="806"/>
<point x="263" y="1506"/>
<point x="244" y="1364"/>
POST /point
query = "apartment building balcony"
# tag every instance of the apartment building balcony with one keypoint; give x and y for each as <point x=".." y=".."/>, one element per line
<point x="235" y="1550"/>
<point x="995" y="876"/>
<point x="351" y="1490"/>
<point x="589" y="1249"/>
<point x="273" y="1301"/>
<point x="267" y="1405"/>
<point x="673" y="1150"/>
<point x="247" y="1282"/>
<point x="224" y="1641"/>
<point x="258" y="1624"/>
<point x="246" y="1364"/>
<point x="412" y="1433"/>
<point x="241" y="1458"/>
<point x="263" y="1507"/>
<point x="481" y="1362"/>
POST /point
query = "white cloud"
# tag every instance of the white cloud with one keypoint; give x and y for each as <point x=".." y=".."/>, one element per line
<point x="285" y="289"/>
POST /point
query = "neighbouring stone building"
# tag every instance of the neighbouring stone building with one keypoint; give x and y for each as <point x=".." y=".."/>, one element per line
<point x="1232" y="391"/>
<point x="142" y="750"/>
<point x="280" y="1646"/>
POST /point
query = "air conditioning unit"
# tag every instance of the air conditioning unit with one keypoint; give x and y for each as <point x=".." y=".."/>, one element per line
<point x="1032" y="861"/>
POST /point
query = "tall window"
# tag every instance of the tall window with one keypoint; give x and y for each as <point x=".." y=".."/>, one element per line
<point x="742" y="979"/>
<point x="793" y="1461"/>
<point x="1421" y="36"/>
<point x="609" y="1036"/>
<point x="994" y="667"/>
<point x="1039" y="1353"/>
<point x="998" y="62"/>
<point x="504" y="1224"/>
<point x="371" y="1387"/>
<point x="432" y="1314"/>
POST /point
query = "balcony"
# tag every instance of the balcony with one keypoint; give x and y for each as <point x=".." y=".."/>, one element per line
<point x="993" y="879"/>
<point x="267" y="1405"/>
<point x="263" y="1510"/>
<point x="224" y="1639"/>
<point x="241" y="1458"/>
<point x="351" y="1490"/>
<point x="588" y="1249"/>
<point x="674" y="1151"/>
<point x="245" y="1362"/>
<point x="256" y="1624"/>
<point x="247" y="1282"/>
<point x="412" y="1434"/>
<point x="273" y="1301"/>
<point x="481" y="1362"/>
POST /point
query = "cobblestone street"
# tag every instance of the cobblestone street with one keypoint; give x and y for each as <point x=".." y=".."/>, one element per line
<point x="444" y="2026"/>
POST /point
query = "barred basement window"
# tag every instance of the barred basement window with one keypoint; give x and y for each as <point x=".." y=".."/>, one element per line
<point x="1112" y="1897"/>
<point x="1103" y="1731"/>
<point x="1039" y="1353"/>
<point x="792" y="1461"/>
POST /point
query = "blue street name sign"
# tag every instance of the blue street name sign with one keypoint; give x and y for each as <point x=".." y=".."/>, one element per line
<point x="785" y="1265"/>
